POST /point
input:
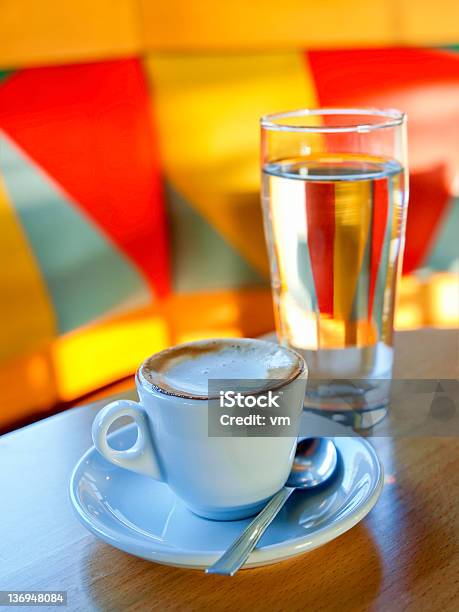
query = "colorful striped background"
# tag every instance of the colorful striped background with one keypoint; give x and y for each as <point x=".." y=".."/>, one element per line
<point x="129" y="186"/>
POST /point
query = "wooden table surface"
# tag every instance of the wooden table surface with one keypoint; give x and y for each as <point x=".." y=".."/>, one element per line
<point x="403" y="556"/>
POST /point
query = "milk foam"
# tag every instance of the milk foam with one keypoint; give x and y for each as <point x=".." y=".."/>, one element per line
<point x="186" y="369"/>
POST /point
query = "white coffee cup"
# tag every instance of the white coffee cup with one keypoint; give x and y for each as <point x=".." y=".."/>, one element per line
<point x="221" y="478"/>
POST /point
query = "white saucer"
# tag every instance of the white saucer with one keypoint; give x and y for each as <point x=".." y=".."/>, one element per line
<point x="143" y="517"/>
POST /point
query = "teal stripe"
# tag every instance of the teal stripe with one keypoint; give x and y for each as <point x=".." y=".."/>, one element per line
<point x="202" y="258"/>
<point x="307" y="295"/>
<point x="86" y="276"/>
<point x="445" y="252"/>
<point x="4" y="74"/>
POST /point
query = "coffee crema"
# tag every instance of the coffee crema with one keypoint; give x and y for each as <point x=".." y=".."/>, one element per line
<point x="185" y="370"/>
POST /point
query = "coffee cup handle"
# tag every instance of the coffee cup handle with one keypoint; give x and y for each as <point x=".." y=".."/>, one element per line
<point x="141" y="457"/>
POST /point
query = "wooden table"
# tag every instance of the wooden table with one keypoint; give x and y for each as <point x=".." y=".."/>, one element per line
<point x="403" y="556"/>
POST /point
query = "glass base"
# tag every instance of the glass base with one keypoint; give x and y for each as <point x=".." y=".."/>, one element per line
<point x="360" y="404"/>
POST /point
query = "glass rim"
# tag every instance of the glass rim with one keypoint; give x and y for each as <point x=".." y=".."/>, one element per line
<point x="390" y="117"/>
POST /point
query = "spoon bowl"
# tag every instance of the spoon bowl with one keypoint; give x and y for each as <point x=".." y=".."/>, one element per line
<point x="314" y="463"/>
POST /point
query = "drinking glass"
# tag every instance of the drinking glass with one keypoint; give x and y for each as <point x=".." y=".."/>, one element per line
<point x="334" y="197"/>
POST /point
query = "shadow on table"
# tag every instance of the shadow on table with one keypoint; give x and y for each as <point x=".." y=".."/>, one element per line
<point x="335" y="577"/>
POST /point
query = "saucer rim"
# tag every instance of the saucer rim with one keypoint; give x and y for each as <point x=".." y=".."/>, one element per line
<point x="199" y="559"/>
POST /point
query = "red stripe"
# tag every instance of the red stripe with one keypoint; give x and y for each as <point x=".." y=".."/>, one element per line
<point x="320" y="210"/>
<point x="89" y="126"/>
<point x="349" y="76"/>
<point x="429" y="198"/>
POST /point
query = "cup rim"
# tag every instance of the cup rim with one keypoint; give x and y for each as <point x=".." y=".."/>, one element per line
<point x="390" y="117"/>
<point x="277" y="384"/>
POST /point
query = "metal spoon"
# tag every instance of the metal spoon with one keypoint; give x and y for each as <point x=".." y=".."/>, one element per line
<point x="314" y="463"/>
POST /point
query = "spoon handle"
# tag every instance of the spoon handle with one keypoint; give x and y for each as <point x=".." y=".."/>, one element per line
<point x="236" y="555"/>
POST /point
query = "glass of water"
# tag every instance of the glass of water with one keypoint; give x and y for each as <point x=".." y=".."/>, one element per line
<point x="334" y="196"/>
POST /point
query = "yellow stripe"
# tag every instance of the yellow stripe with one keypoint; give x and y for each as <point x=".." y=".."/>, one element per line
<point x="352" y="218"/>
<point x="95" y="356"/>
<point x="26" y="313"/>
<point x="208" y="110"/>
